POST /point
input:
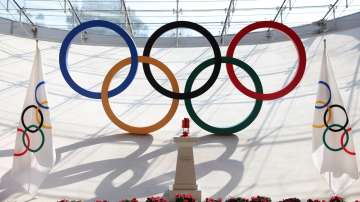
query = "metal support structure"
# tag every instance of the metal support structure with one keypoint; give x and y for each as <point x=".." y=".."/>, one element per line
<point x="177" y="19"/>
<point x="74" y="11"/>
<point x="279" y="12"/>
<point x="227" y="20"/>
<point x="127" y="17"/>
<point x="22" y="12"/>
<point x="332" y="7"/>
<point x="64" y="5"/>
<point x="290" y="6"/>
<point x="322" y="22"/>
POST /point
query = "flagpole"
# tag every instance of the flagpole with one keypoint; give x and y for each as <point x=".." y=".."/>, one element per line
<point x="328" y="172"/>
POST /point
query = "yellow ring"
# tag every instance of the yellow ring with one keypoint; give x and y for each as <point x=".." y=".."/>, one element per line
<point x="105" y="97"/>
<point x="47" y="126"/>
<point x="329" y="117"/>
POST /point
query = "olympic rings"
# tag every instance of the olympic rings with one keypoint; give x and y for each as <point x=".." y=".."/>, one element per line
<point x="301" y="54"/>
<point x="105" y="97"/>
<point x="207" y="35"/>
<point x="233" y="129"/>
<point x="342" y="144"/>
<point x="26" y="149"/>
<point x="328" y="88"/>
<point x="41" y="118"/>
<point x="188" y="94"/>
<point x="337" y="125"/>
<point x="27" y="146"/>
<point x="331" y="127"/>
<point x="36" y="99"/>
<point x="329" y="117"/>
<point x="37" y="116"/>
<point x="65" y="47"/>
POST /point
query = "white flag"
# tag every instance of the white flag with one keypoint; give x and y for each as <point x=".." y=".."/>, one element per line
<point x="34" y="153"/>
<point x="333" y="148"/>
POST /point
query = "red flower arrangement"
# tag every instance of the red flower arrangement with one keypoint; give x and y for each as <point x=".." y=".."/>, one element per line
<point x="260" y="199"/>
<point x="237" y="199"/>
<point x="184" y="198"/>
<point x="213" y="200"/>
<point x="128" y="200"/>
<point x="291" y="200"/>
<point x="156" y="199"/>
<point x="336" y="199"/>
<point x="316" y="200"/>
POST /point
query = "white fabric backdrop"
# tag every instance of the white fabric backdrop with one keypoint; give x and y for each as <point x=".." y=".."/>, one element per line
<point x="95" y="160"/>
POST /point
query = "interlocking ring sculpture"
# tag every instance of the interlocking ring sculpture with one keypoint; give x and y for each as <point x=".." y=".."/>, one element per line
<point x="39" y="119"/>
<point x="327" y="117"/>
<point x="188" y="94"/>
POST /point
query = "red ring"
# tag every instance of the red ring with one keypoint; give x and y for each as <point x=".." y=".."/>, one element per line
<point x="342" y="143"/>
<point x="301" y="54"/>
<point x="26" y="148"/>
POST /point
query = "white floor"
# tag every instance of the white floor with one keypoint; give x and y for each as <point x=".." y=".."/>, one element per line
<point x="96" y="160"/>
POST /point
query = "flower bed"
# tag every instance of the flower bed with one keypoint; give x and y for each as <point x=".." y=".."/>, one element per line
<point x="213" y="200"/>
<point x="190" y="198"/>
<point x="184" y="198"/>
<point x="156" y="199"/>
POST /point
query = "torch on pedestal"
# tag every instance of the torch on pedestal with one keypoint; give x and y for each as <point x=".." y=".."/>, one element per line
<point x="185" y="177"/>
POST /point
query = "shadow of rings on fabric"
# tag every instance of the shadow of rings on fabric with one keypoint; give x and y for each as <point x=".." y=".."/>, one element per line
<point x="138" y="162"/>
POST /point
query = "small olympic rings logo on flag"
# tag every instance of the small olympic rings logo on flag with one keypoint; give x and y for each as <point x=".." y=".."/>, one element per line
<point x="188" y="94"/>
<point x="39" y="119"/>
<point x="328" y="117"/>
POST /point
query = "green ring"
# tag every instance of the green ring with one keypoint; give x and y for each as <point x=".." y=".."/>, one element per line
<point x="28" y="146"/>
<point x="232" y="129"/>
<point x="343" y="146"/>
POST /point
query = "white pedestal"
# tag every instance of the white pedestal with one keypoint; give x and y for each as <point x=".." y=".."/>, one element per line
<point x="185" y="177"/>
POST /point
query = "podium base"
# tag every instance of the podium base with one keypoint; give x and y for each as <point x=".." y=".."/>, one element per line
<point x="196" y="194"/>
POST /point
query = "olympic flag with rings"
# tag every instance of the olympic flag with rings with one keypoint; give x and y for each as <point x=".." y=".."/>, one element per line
<point x="188" y="94"/>
<point x="34" y="154"/>
<point x="333" y="148"/>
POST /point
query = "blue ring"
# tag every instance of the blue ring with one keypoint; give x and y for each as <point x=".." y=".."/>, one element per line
<point x="65" y="47"/>
<point x="328" y="102"/>
<point x="36" y="99"/>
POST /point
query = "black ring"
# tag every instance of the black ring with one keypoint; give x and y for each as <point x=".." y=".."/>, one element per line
<point x="341" y="128"/>
<point x="23" y="122"/>
<point x="217" y="57"/>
